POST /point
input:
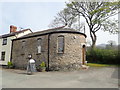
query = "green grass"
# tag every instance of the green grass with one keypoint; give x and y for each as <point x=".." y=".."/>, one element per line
<point x="100" y="65"/>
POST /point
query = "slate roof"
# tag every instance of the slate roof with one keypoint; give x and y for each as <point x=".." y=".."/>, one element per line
<point x="50" y="31"/>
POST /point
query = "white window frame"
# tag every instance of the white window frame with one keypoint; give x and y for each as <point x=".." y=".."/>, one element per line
<point x="4" y="41"/>
<point x="58" y="47"/>
<point x="2" y="56"/>
<point x="39" y="47"/>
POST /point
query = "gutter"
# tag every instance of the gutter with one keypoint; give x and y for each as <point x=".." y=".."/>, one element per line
<point x="51" y="33"/>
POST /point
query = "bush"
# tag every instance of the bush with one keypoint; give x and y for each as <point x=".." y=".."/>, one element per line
<point x="41" y="67"/>
<point x="42" y="64"/>
<point x="103" y="56"/>
<point x="10" y="65"/>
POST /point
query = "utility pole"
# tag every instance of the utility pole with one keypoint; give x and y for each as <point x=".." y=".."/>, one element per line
<point x="79" y="21"/>
<point x="84" y="29"/>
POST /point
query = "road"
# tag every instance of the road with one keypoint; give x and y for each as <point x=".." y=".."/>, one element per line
<point x="94" y="77"/>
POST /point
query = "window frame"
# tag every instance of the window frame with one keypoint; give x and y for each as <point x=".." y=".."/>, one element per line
<point x="23" y="47"/>
<point x="39" y="46"/>
<point x="2" y="57"/>
<point x="23" y="44"/>
<point x="62" y="46"/>
<point x="4" y="42"/>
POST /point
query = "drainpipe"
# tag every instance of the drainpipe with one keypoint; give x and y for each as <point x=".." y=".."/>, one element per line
<point x="48" y="50"/>
<point x="11" y="51"/>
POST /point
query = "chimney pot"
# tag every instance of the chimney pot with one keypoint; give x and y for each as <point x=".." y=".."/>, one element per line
<point x="13" y="29"/>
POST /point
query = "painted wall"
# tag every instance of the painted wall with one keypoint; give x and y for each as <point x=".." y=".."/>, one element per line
<point x="7" y="48"/>
<point x="23" y="33"/>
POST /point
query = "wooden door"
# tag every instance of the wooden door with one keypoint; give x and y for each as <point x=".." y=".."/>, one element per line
<point x="83" y="54"/>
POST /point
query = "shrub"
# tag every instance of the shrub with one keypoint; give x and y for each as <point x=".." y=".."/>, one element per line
<point x="10" y="65"/>
<point x="41" y="67"/>
<point x="42" y="64"/>
<point x="103" y="56"/>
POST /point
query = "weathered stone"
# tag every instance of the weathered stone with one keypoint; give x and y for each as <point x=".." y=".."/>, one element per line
<point x="70" y="59"/>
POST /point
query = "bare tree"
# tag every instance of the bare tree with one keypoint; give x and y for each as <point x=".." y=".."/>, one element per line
<point x="68" y="18"/>
<point x="111" y="43"/>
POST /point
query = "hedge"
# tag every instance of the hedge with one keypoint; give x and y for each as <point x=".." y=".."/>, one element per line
<point x="103" y="56"/>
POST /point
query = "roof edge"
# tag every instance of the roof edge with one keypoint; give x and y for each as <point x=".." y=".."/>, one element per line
<point x="76" y="32"/>
<point x="13" y="34"/>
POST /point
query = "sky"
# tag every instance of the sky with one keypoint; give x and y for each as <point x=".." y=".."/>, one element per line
<point x="37" y="15"/>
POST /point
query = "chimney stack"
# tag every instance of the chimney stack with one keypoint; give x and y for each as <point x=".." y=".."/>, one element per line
<point x="13" y="29"/>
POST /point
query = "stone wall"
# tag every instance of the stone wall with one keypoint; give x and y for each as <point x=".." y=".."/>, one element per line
<point x="72" y="56"/>
<point x="20" y="55"/>
<point x="69" y="60"/>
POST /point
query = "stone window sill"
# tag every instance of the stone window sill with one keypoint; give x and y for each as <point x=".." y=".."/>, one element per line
<point x="38" y="54"/>
<point x="60" y="52"/>
<point x="22" y="54"/>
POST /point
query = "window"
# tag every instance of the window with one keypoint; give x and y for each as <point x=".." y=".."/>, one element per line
<point x="60" y="44"/>
<point x="3" y="56"/>
<point x="39" y="49"/>
<point x="4" y="41"/>
<point x="23" y="44"/>
<point x="23" y="48"/>
<point x="39" y="43"/>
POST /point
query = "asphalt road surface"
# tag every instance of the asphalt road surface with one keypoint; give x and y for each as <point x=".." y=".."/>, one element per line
<point x="94" y="77"/>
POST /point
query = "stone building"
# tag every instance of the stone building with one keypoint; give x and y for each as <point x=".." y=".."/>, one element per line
<point x="60" y="48"/>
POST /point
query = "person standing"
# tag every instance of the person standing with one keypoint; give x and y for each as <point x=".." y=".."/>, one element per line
<point x="31" y="66"/>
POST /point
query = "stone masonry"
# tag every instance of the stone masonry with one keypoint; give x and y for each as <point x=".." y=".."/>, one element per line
<point x="70" y="59"/>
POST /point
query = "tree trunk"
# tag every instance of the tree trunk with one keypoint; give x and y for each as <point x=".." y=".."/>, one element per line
<point x="94" y="38"/>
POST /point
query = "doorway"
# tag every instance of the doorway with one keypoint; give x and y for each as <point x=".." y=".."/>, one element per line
<point x="83" y="54"/>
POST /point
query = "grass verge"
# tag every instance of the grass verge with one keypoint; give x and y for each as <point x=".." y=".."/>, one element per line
<point x="100" y="65"/>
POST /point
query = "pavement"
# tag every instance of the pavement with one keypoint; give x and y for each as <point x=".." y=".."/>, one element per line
<point x="94" y="77"/>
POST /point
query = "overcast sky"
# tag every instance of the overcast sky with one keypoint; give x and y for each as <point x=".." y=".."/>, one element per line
<point x="37" y="16"/>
